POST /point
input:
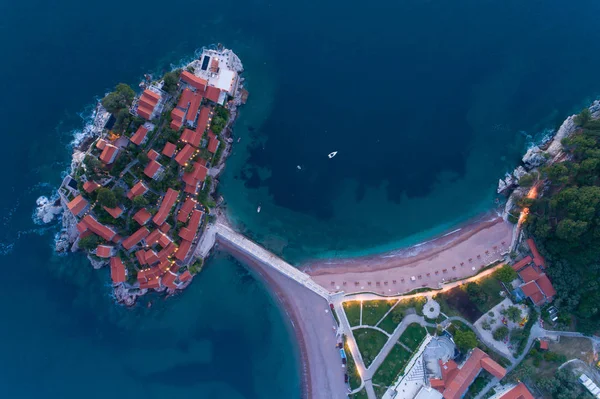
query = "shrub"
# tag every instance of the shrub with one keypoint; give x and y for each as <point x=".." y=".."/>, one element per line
<point x="500" y="333"/>
<point x="89" y="243"/>
<point x="506" y="274"/>
<point x="465" y="340"/>
<point x="107" y="198"/>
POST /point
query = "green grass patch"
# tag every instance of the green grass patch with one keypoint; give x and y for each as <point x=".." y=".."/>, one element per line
<point x="391" y="321"/>
<point x="492" y="287"/>
<point x="413" y="336"/>
<point x="352" y="310"/>
<point x="392" y="366"/>
<point x="373" y="311"/>
<point x="379" y="391"/>
<point x="354" y="379"/>
<point x="362" y="394"/>
<point x="369" y="343"/>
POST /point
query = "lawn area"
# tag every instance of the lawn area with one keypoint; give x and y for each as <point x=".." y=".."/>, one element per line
<point x="352" y="310"/>
<point x="393" y="365"/>
<point x="369" y="343"/>
<point x="394" y="318"/>
<point x="413" y="336"/>
<point x="373" y="311"/>
<point x="354" y="379"/>
<point x="458" y="302"/>
<point x="362" y="394"/>
<point x="492" y="287"/>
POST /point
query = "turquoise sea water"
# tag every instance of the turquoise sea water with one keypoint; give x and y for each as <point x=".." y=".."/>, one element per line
<point x="427" y="102"/>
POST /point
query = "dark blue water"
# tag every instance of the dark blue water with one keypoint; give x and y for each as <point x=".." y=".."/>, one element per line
<point x="427" y="102"/>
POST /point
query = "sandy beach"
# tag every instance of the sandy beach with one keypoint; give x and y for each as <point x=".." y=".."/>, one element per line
<point x="312" y="324"/>
<point x="455" y="255"/>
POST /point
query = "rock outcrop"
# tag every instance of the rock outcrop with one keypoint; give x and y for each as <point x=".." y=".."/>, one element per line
<point x="47" y="210"/>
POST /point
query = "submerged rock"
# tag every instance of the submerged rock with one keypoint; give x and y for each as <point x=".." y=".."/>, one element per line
<point x="534" y="157"/>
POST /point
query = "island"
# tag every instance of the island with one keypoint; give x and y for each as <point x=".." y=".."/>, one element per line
<point x="140" y="189"/>
<point x="502" y="307"/>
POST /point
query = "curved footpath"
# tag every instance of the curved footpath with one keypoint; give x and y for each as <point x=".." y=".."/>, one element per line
<point x="313" y="326"/>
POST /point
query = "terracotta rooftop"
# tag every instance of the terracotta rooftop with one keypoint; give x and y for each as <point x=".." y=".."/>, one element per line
<point x="522" y="263"/>
<point x="117" y="270"/>
<point x="186" y="209"/>
<point x="138" y="188"/>
<point x="168" y="280"/>
<point x="185" y="276"/>
<point x="203" y="119"/>
<point x="185" y="99"/>
<point x="165" y="207"/>
<point x="185" y="154"/>
<point x="98" y="228"/>
<point x="169" y="149"/>
<point x="135" y="238"/>
<point x="193" y="80"/>
<point x="193" y="109"/>
<point x="151" y="257"/>
<point x="153" y="283"/>
<point x="213" y="142"/>
<point x="192" y="137"/>
<point x="153" y="155"/>
<point x="139" y="136"/>
<point x="90" y="186"/>
<point x="152" y="169"/>
<point x="182" y="251"/>
<point x="546" y="286"/>
<point x="537" y="258"/>
<point x="529" y="274"/>
<point x="100" y="144"/>
<point x="167" y="251"/>
<point x="109" y="153"/>
<point x="518" y="392"/>
<point x="153" y="237"/>
<point x="142" y="216"/>
<point x="544" y="344"/>
<point x="104" y="251"/>
<point x="165" y="227"/>
<point x="188" y="233"/>
<point x="213" y="93"/>
<point x="176" y="119"/>
<point x="532" y="291"/>
<point x="144" y="112"/>
<point x="77" y="205"/>
<point x="141" y="257"/>
<point x="114" y="212"/>
<point x="147" y="103"/>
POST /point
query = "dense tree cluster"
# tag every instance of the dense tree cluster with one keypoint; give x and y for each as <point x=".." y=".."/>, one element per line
<point x="566" y="222"/>
<point x="119" y="99"/>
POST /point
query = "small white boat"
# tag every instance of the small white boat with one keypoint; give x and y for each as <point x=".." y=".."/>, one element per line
<point x="332" y="154"/>
<point x="258" y="209"/>
<point x="299" y="167"/>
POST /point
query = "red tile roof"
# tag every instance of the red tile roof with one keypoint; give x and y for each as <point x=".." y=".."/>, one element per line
<point x="522" y="263"/>
<point x="188" y="233"/>
<point x="532" y="291"/>
<point x="139" y="136"/>
<point x="544" y="344"/>
<point x="151" y="257"/>
<point x="186" y="209"/>
<point x="169" y="149"/>
<point x="104" y="251"/>
<point x="144" y="112"/>
<point x="153" y="283"/>
<point x="152" y="169"/>
<point x="518" y="392"/>
<point x="117" y="270"/>
<point x="164" y="240"/>
<point x="191" y="189"/>
<point x="135" y="238"/>
<point x="100" y="144"/>
<point x="78" y="205"/>
<point x="457" y="383"/>
<point x="109" y="153"/>
<point x="153" y="155"/>
<point x="141" y="257"/>
<point x="168" y="280"/>
<point x="176" y="125"/>
<point x="182" y="251"/>
<point x="167" y="251"/>
<point x="90" y="186"/>
<point x="529" y="274"/>
<point x="138" y="188"/>
<point x="165" y="227"/>
<point x="194" y="105"/>
<point x="98" y="228"/>
<point x="213" y="93"/>
<point x="165" y="207"/>
<point x="192" y="137"/>
<point x="142" y="216"/>
<point x="213" y="142"/>
<point x="537" y="258"/>
<point x="147" y="103"/>
<point x="437" y="384"/>
<point x="185" y="154"/>
<point x="185" y="99"/>
<point x="546" y="286"/>
<point x="114" y="212"/>
<point x="152" y="95"/>
<point x="185" y="276"/>
<point x="193" y="80"/>
<point x="153" y="237"/>
<point x="203" y="119"/>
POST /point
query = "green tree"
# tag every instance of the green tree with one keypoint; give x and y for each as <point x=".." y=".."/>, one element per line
<point x="476" y="293"/>
<point x="486" y="325"/>
<point x="583" y="117"/>
<point x="123" y="120"/>
<point x="121" y="98"/>
<point x="92" y="163"/>
<point x="140" y="201"/>
<point x="506" y="274"/>
<point x="189" y="168"/>
<point x="465" y="340"/>
<point x="89" y="243"/>
<point x="143" y="158"/>
<point x="513" y="314"/>
<point x="107" y="198"/>
<point x="526" y="180"/>
<point x="500" y="333"/>
<point x="170" y="81"/>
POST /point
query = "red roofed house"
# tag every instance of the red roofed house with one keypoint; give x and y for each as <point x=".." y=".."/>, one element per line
<point x="152" y="283"/>
<point x="518" y="392"/>
<point x="98" y="228"/>
<point x="165" y="207"/>
<point x="185" y="99"/>
<point x="546" y="286"/>
<point x="185" y="276"/>
<point x="185" y="154"/>
<point x="192" y="137"/>
<point x="142" y="216"/>
<point x="168" y="280"/>
<point x="522" y="263"/>
<point x="213" y="142"/>
<point x="153" y="155"/>
<point x="169" y="149"/>
<point x="455" y="382"/>
<point x="138" y="188"/>
<point x="533" y="292"/>
<point x="104" y="251"/>
<point x="194" y="81"/>
<point x="213" y="94"/>
<point x="176" y="119"/>
<point x="192" y="179"/>
<point x="528" y="274"/>
<point x="182" y="251"/>
<point x="188" y="233"/>
<point x="153" y="170"/>
<point x="544" y="345"/>
<point x="100" y="144"/>
<point x="203" y="120"/>
<point x="109" y="153"/>
<point x="186" y="209"/>
<point x="135" y="238"/>
<point x="90" y="186"/>
<point x="114" y="212"/>
<point x="147" y="104"/>
<point x="140" y="135"/>
<point x="537" y="258"/>
<point x="117" y="270"/>
<point x="78" y="206"/>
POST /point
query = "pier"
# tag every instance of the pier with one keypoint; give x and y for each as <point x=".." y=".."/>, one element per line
<point x="267" y="258"/>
